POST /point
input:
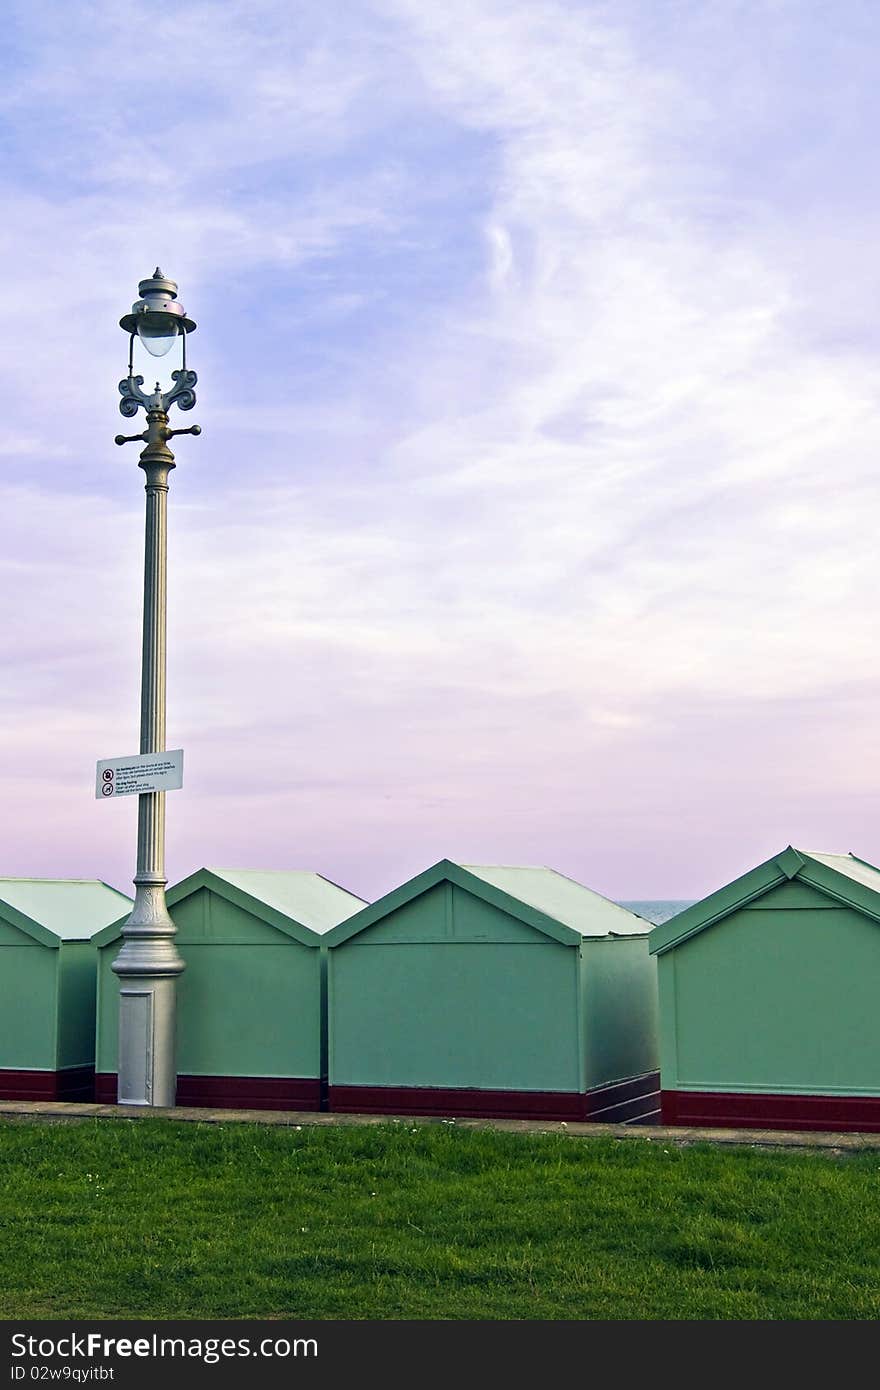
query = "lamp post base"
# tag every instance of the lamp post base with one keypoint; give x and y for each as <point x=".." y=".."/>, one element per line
<point x="147" y="1066"/>
<point x="148" y="966"/>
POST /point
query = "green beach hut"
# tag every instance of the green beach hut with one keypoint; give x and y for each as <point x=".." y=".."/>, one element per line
<point x="769" y="994"/>
<point x="500" y="991"/>
<point x="250" y="1020"/>
<point x="47" y="984"/>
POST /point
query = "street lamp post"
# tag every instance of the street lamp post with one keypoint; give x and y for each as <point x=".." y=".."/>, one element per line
<point x="148" y="963"/>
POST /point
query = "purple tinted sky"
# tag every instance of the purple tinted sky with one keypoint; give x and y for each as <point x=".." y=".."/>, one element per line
<point x="534" y="515"/>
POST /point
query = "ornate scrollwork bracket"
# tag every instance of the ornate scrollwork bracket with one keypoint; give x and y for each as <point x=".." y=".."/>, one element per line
<point x="132" y="396"/>
<point x="182" y="394"/>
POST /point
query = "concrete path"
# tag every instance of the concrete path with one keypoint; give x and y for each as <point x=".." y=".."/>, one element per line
<point x="54" y="1111"/>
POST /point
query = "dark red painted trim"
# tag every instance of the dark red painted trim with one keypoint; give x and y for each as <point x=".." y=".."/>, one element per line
<point x="631" y="1098"/>
<point x="250" y="1092"/>
<point x="105" y="1087"/>
<point x="232" y="1092"/>
<point x="758" y="1110"/>
<point x="70" y="1083"/>
<point x="461" y="1102"/>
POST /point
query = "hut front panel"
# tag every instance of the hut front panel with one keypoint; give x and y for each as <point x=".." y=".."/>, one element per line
<point x="76" y="1006"/>
<point x="28" y="1011"/>
<point x="774" y="999"/>
<point x="450" y="992"/>
<point x="620" y="1010"/>
<point x="248" y="1011"/>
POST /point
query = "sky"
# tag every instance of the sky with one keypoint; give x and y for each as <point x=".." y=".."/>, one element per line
<point x="533" y="519"/>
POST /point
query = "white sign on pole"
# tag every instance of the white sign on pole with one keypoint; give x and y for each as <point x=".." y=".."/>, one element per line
<point x="142" y="772"/>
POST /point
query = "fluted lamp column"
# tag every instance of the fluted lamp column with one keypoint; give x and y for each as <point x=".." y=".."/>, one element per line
<point x="149" y="963"/>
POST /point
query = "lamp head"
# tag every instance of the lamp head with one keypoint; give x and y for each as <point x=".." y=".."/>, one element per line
<point x="157" y="317"/>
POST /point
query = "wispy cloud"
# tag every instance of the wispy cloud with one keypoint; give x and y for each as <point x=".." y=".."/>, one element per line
<point x="531" y="519"/>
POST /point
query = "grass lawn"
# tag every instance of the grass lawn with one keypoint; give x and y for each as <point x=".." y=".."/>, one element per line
<point x="153" y="1219"/>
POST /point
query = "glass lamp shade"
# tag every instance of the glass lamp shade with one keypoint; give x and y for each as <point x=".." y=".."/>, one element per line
<point x="157" y="332"/>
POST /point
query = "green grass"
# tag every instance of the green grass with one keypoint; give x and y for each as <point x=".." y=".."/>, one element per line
<point x="153" y="1219"/>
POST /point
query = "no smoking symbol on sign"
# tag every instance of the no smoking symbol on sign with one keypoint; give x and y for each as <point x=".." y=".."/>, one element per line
<point x="107" y="788"/>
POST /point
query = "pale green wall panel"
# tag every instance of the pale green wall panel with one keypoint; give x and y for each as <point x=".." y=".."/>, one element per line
<point x="107" y="1011"/>
<point x="475" y="920"/>
<point x="193" y="917"/>
<point x="322" y="965"/>
<point x="791" y="894"/>
<point x="250" y="1011"/>
<point x="427" y="918"/>
<point x="205" y="916"/>
<point x="455" y="1014"/>
<point x="447" y="912"/>
<point x="76" y="1004"/>
<point x="619" y="979"/>
<point x="14" y="936"/>
<point x="28" y="1007"/>
<point x="668" y="1021"/>
<point x="781" y="999"/>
